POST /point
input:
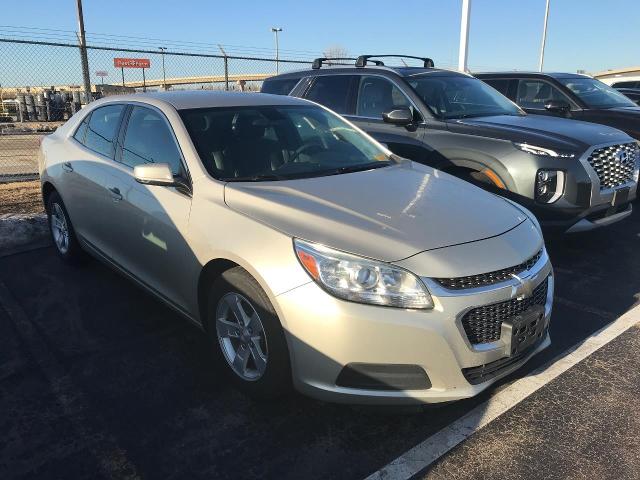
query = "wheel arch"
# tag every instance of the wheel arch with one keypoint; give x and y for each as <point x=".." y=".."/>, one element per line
<point x="47" y="189"/>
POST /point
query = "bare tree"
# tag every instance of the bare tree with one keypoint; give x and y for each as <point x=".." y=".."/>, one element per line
<point x="335" y="51"/>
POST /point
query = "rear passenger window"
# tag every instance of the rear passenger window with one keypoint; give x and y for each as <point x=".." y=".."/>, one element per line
<point x="500" y="85"/>
<point x="625" y="85"/>
<point x="103" y="128"/>
<point x="332" y="91"/>
<point x="279" y="87"/>
<point x="82" y="130"/>
<point x="535" y="93"/>
<point x="149" y="140"/>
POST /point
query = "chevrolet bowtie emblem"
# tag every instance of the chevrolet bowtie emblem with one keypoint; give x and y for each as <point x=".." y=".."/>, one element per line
<point x="522" y="289"/>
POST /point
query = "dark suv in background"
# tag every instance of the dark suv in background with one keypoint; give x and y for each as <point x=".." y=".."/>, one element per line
<point x="574" y="176"/>
<point x="568" y="95"/>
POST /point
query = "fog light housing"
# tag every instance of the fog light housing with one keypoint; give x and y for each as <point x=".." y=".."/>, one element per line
<point x="549" y="185"/>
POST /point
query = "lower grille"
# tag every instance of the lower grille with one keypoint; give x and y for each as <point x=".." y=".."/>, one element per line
<point x="484" y="324"/>
<point x="486" y="372"/>
<point x="614" y="164"/>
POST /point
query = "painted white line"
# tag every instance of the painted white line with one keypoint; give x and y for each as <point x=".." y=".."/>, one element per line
<point x="425" y="453"/>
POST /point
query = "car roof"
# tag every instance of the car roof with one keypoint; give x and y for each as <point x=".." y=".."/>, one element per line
<point x="531" y="74"/>
<point x="182" y="100"/>
<point x="401" y="71"/>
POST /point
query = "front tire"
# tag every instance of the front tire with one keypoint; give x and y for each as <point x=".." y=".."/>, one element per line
<point x="247" y="337"/>
<point x="61" y="229"/>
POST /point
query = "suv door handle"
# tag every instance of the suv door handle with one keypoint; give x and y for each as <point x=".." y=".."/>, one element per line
<point x="67" y="167"/>
<point x="115" y="193"/>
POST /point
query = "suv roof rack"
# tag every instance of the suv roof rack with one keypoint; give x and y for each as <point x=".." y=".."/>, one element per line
<point x="317" y="63"/>
<point x="363" y="59"/>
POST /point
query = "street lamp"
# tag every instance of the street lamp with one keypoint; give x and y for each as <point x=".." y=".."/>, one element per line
<point x="544" y="37"/>
<point x="275" y="30"/>
<point x="164" y="76"/>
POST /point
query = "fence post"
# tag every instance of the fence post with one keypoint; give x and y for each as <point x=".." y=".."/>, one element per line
<point x="83" y="53"/>
<point x="226" y="68"/>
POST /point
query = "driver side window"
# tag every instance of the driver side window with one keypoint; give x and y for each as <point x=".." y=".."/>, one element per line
<point x="536" y="93"/>
<point x="377" y="95"/>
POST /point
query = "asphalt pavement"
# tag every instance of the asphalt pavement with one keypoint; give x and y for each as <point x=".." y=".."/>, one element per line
<point x="100" y="380"/>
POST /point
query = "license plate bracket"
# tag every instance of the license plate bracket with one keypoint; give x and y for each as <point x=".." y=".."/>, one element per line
<point x="620" y="196"/>
<point x="526" y="329"/>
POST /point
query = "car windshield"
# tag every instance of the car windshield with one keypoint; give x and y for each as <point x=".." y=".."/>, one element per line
<point x="461" y="97"/>
<point x="595" y="93"/>
<point x="261" y="143"/>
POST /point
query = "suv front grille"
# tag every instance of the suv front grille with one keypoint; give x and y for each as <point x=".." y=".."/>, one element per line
<point x="484" y="324"/>
<point x="482" y="279"/>
<point x="615" y="164"/>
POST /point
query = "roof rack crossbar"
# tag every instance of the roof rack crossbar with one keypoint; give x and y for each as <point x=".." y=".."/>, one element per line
<point x="318" y="62"/>
<point x="363" y="59"/>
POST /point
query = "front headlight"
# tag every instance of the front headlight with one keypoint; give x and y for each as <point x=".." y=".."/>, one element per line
<point x="361" y="280"/>
<point x="545" y="152"/>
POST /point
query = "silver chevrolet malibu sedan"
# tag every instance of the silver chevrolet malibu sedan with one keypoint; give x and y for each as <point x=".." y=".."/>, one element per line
<point x="310" y="255"/>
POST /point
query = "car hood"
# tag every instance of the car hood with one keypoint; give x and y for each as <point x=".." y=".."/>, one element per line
<point x="540" y="130"/>
<point x="387" y="214"/>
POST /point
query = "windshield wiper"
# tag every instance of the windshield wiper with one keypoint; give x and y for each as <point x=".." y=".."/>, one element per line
<point x="255" y="178"/>
<point x="357" y="168"/>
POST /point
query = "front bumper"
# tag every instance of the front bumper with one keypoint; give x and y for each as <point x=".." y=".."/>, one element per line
<point x="326" y="334"/>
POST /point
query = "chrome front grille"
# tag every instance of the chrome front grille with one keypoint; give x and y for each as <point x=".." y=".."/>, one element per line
<point x="490" y="278"/>
<point x="484" y="324"/>
<point x="614" y="164"/>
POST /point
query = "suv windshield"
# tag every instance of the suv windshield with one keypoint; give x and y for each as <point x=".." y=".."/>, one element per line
<point x="461" y="97"/>
<point x="596" y="94"/>
<point x="278" y="143"/>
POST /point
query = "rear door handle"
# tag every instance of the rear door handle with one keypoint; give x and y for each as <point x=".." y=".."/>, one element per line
<point x="67" y="167"/>
<point x="115" y="193"/>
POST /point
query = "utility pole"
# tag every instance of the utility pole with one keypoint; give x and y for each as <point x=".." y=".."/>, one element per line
<point x="164" y="75"/>
<point x="544" y="37"/>
<point x="463" y="53"/>
<point x="83" y="53"/>
<point x="275" y="30"/>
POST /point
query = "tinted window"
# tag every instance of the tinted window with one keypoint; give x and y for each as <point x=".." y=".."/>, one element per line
<point x="461" y="97"/>
<point x="535" y="93"/>
<point x="102" y="129"/>
<point x="595" y="93"/>
<point x="279" y="87"/>
<point x="377" y="95"/>
<point x="625" y="84"/>
<point x="331" y="91"/>
<point x="148" y="139"/>
<point x="82" y="130"/>
<point x="278" y="143"/>
<point x="499" y="84"/>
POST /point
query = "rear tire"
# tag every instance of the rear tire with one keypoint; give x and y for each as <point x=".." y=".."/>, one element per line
<point x="62" y="232"/>
<point x="251" y="350"/>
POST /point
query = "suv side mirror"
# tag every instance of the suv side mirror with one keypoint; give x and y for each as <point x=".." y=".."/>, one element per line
<point x="557" y="106"/>
<point x="400" y="116"/>
<point x="154" y="174"/>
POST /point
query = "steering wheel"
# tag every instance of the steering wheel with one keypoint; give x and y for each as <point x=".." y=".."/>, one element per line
<point x="306" y="148"/>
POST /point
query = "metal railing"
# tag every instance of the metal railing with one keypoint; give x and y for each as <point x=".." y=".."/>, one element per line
<point x="41" y="85"/>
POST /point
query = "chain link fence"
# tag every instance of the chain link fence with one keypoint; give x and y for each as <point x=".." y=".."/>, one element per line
<point x="41" y="86"/>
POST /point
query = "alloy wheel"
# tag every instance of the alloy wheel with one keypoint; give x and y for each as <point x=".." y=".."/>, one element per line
<point x="59" y="228"/>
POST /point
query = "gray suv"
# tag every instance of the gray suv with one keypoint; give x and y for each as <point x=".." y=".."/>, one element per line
<point x="573" y="175"/>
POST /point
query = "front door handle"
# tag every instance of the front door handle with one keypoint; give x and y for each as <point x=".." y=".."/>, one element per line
<point x="67" y="167"/>
<point x="115" y="193"/>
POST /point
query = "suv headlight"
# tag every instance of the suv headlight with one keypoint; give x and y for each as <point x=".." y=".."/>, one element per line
<point x="545" y="152"/>
<point x="361" y="280"/>
<point x="549" y="185"/>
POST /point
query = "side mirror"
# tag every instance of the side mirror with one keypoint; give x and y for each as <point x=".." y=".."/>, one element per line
<point x="400" y="116"/>
<point x="154" y="174"/>
<point x="557" y="106"/>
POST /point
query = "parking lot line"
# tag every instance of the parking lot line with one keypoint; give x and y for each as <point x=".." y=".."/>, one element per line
<point x="422" y="455"/>
<point x="112" y="460"/>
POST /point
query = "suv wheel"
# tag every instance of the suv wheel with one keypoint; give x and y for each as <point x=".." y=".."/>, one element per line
<point x="247" y="336"/>
<point x="62" y="233"/>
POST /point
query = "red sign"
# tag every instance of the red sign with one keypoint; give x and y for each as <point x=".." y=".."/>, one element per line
<point x="131" y="62"/>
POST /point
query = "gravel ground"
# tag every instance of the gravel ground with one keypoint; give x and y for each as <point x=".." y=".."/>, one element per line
<point x="20" y="197"/>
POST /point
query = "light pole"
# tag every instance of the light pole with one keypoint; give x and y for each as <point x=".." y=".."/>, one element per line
<point x="164" y="76"/>
<point x="463" y="52"/>
<point x="544" y="37"/>
<point x="275" y="30"/>
<point x="83" y="52"/>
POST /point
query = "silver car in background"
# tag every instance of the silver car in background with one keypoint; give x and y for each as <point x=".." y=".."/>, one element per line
<point x="311" y="255"/>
